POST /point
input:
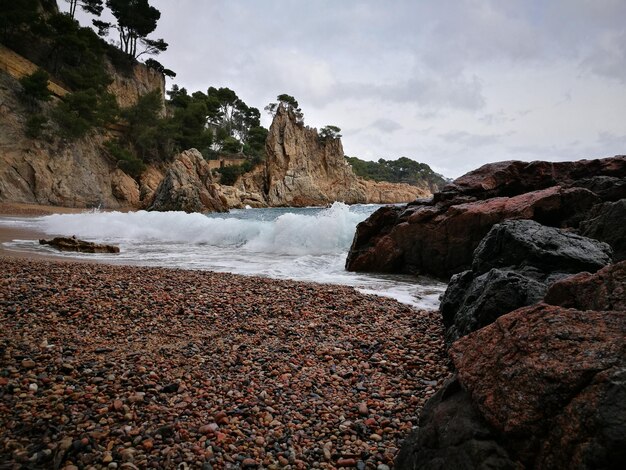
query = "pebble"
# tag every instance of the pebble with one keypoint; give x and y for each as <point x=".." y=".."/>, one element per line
<point x="253" y="373"/>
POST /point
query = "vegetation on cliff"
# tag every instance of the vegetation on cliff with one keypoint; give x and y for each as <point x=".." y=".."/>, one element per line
<point x="402" y="170"/>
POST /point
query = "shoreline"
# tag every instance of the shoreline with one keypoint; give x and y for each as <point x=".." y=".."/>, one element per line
<point x="158" y="366"/>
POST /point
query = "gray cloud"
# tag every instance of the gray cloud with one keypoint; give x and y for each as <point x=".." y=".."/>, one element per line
<point x="386" y="125"/>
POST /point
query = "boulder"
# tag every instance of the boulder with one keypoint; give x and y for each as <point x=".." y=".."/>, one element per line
<point x="538" y="367"/>
<point x="81" y="246"/>
<point x="187" y="186"/>
<point x="542" y="387"/>
<point x="512" y="267"/>
<point x="439" y="241"/>
<point x="604" y="290"/>
<point x="525" y="243"/>
<point x="125" y="188"/>
<point x="453" y="434"/>
<point x="437" y="237"/>
<point x="149" y="181"/>
<point x="608" y="223"/>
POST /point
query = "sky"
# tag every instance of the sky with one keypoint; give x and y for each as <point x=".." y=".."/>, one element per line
<point x="454" y="84"/>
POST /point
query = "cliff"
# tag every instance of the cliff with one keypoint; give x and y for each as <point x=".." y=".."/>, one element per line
<point x="302" y="169"/>
<point x="58" y="172"/>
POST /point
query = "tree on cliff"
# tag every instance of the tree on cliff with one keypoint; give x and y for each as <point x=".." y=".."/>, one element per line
<point x="290" y="103"/>
<point x="136" y="19"/>
<point x="94" y="7"/>
<point x="330" y="132"/>
<point x="35" y="87"/>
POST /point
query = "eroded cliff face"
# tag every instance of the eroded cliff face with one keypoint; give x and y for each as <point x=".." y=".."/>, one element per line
<point x="302" y="169"/>
<point x="127" y="88"/>
<point x="63" y="173"/>
<point x="71" y="174"/>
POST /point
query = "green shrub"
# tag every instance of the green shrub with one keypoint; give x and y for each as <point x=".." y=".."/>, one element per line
<point x="35" y="87"/>
<point x="126" y="161"/>
<point x="81" y="111"/>
<point x="35" y="125"/>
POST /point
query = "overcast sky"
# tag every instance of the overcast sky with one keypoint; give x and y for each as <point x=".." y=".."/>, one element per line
<point x="454" y="84"/>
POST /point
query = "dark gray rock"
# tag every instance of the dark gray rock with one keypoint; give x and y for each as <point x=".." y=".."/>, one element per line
<point x="524" y="243"/>
<point x="513" y="267"/>
<point x="471" y="303"/>
<point x="453" y="434"/>
<point x="608" y="224"/>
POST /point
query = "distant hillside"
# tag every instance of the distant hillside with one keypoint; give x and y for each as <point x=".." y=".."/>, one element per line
<point x="402" y="170"/>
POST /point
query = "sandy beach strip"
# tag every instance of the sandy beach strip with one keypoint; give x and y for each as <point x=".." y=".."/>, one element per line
<point x="129" y="367"/>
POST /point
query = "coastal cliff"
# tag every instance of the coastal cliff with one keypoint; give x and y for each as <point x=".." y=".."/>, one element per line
<point x="304" y="169"/>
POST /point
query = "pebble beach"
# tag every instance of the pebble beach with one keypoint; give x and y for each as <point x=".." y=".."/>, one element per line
<point x="129" y="367"/>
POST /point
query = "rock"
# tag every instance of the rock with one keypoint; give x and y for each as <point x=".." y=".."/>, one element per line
<point x="512" y="267"/>
<point x="302" y="169"/>
<point x="471" y="303"/>
<point x="512" y="178"/>
<point x="29" y="364"/>
<point x="188" y="186"/>
<point x="148" y="183"/>
<point x="604" y="290"/>
<point x="538" y="366"/>
<point x="74" y="244"/>
<point x="453" y="434"/>
<point x="440" y="241"/>
<point x="525" y="243"/>
<point x="135" y="82"/>
<point x="437" y="237"/>
<point x="125" y="188"/>
<point x="607" y="224"/>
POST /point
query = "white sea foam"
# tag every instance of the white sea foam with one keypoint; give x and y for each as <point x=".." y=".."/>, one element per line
<point x="308" y="244"/>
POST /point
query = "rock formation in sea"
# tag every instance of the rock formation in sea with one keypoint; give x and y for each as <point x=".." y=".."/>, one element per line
<point x="303" y="169"/>
<point x="535" y="325"/>
<point x="437" y="236"/>
<point x="188" y="186"/>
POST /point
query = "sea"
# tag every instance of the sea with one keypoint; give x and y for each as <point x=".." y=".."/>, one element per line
<point x="303" y="244"/>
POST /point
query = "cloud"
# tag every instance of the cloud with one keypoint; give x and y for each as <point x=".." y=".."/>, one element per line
<point x="386" y="125"/>
<point x="470" y="140"/>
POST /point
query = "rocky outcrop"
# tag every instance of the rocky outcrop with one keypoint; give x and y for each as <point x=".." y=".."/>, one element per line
<point x="57" y="172"/>
<point x="188" y="186"/>
<point x="149" y="181"/>
<point x="542" y="387"/>
<point x="607" y="223"/>
<point x="81" y="246"/>
<point x="138" y="80"/>
<point x="513" y="267"/>
<point x="302" y="169"/>
<point x="604" y="290"/>
<point x="438" y="236"/>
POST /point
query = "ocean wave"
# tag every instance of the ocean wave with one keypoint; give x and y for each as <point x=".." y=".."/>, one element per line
<point x="329" y="231"/>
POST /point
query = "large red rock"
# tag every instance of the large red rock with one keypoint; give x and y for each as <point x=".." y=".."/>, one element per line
<point x="440" y="241"/>
<point x="437" y="237"/>
<point x="544" y="377"/>
<point x="604" y="290"/>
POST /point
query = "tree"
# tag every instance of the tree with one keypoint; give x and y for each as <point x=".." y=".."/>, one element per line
<point x="136" y="19"/>
<point x="35" y="87"/>
<point x="94" y="7"/>
<point x="156" y="65"/>
<point x="288" y="102"/>
<point x="14" y="15"/>
<point x="330" y="132"/>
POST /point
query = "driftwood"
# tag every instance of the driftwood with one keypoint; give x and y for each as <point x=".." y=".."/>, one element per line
<point x="74" y="244"/>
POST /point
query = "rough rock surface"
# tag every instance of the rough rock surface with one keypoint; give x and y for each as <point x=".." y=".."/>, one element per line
<point x="81" y="246"/>
<point x="604" y="290"/>
<point x="56" y="172"/>
<point x="127" y="88"/>
<point x="301" y="169"/>
<point x="438" y="236"/>
<point x="452" y="434"/>
<point x="608" y="223"/>
<point x="149" y="181"/>
<point x="512" y="267"/>
<point x="543" y="365"/>
<point x="542" y="387"/>
<point x="188" y="186"/>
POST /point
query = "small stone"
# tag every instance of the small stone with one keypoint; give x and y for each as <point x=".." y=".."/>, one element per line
<point x="221" y="418"/>
<point x="382" y="466"/>
<point x="107" y="457"/>
<point x="28" y="364"/>
<point x="118" y="405"/>
<point x="363" y="410"/>
<point x="376" y="437"/>
<point x="259" y="441"/>
<point x="33" y="387"/>
<point x="346" y="463"/>
<point x="249" y="463"/>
